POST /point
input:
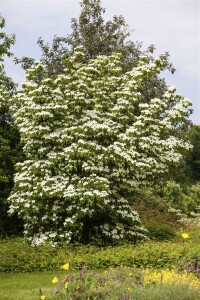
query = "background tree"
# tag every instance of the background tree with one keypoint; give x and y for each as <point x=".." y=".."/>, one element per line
<point x="10" y="150"/>
<point x="87" y="150"/>
<point x="98" y="37"/>
<point x="193" y="156"/>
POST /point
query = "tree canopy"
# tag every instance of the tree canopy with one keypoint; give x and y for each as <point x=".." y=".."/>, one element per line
<point x="90" y="139"/>
<point x="100" y="37"/>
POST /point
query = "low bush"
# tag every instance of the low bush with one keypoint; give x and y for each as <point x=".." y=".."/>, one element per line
<point x="160" y="232"/>
<point x="145" y="200"/>
<point x="185" y="198"/>
<point x="17" y="256"/>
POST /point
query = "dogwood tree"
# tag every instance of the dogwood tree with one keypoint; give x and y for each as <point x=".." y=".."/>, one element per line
<point x="89" y="142"/>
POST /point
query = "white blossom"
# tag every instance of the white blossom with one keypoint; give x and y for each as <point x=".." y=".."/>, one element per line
<point x="84" y="145"/>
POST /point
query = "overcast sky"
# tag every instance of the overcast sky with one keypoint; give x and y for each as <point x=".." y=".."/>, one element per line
<point x="171" y="25"/>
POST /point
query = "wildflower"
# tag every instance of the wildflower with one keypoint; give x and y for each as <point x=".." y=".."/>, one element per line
<point x="198" y="269"/>
<point x="170" y="277"/>
<point x="66" y="284"/>
<point x="43" y="297"/>
<point x="65" y="267"/>
<point x="185" y="235"/>
<point x="55" y="280"/>
<point x="56" y="291"/>
<point x="65" y="279"/>
<point x="81" y="273"/>
<point x="189" y="269"/>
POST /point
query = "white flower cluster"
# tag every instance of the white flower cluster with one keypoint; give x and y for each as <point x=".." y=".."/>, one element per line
<point x="85" y="146"/>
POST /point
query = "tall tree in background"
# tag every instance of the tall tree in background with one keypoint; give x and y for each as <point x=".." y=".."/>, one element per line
<point x="193" y="156"/>
<point x="98" y="37"/>
<point x="10" y="150"/>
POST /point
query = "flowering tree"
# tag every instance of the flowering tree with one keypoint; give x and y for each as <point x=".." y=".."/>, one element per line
<point x="89" y="142"/>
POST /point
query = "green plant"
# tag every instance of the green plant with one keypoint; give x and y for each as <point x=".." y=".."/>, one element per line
<point x="26" y="286"/>
<point x="85" y="153"/>
<point x="160" y="232"/>
<point x="10" y="148"/>
<point x="116" y="283"/>
<point x="144" y="200"/>
<point x="17" y="256"/>
<point x="184" y="198"/>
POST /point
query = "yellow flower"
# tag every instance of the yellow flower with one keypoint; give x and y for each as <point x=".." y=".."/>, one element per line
<point x="43" y="297"/>
<point x="185" y="235"/>
<point x="170" y="277"/>
<point x="65" y="267"/>
<point x="55" y="280"/>
<point x="66" y="285"/>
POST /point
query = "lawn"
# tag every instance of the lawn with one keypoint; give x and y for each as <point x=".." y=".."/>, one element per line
<point x="25" y="286"/>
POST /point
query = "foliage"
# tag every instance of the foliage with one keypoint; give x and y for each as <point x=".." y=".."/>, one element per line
<point x="17" y="256"/>
<point x="193" y="156"/>
<point x="145" y="199"/>
<point x="186" y="198"/>
<point x="118" y="283"/>
<point x="191" y="266"/>
<point x="96" y="36"/>
<point x="84" y="154"/>
<point x="99" y="37"/>
<point x="160" y="231"/>
<point x="6" y="42"/>
<point x="187" y="173"/>
<point x="10" y="150"/>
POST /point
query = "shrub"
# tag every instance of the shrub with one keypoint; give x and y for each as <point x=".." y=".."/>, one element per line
<point x="16" y="256"/>
<point x="160" y="232"/>
<point x="185" y="198"/>
<point x="144" y="200"/>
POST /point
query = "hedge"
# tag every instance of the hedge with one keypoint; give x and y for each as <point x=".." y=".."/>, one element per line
<point x="17" y="256"/>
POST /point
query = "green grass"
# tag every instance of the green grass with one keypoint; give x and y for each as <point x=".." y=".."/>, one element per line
<point x="25" y="286"/>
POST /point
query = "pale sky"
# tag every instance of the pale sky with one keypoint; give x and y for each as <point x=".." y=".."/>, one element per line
<point x="171" y="25"/>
